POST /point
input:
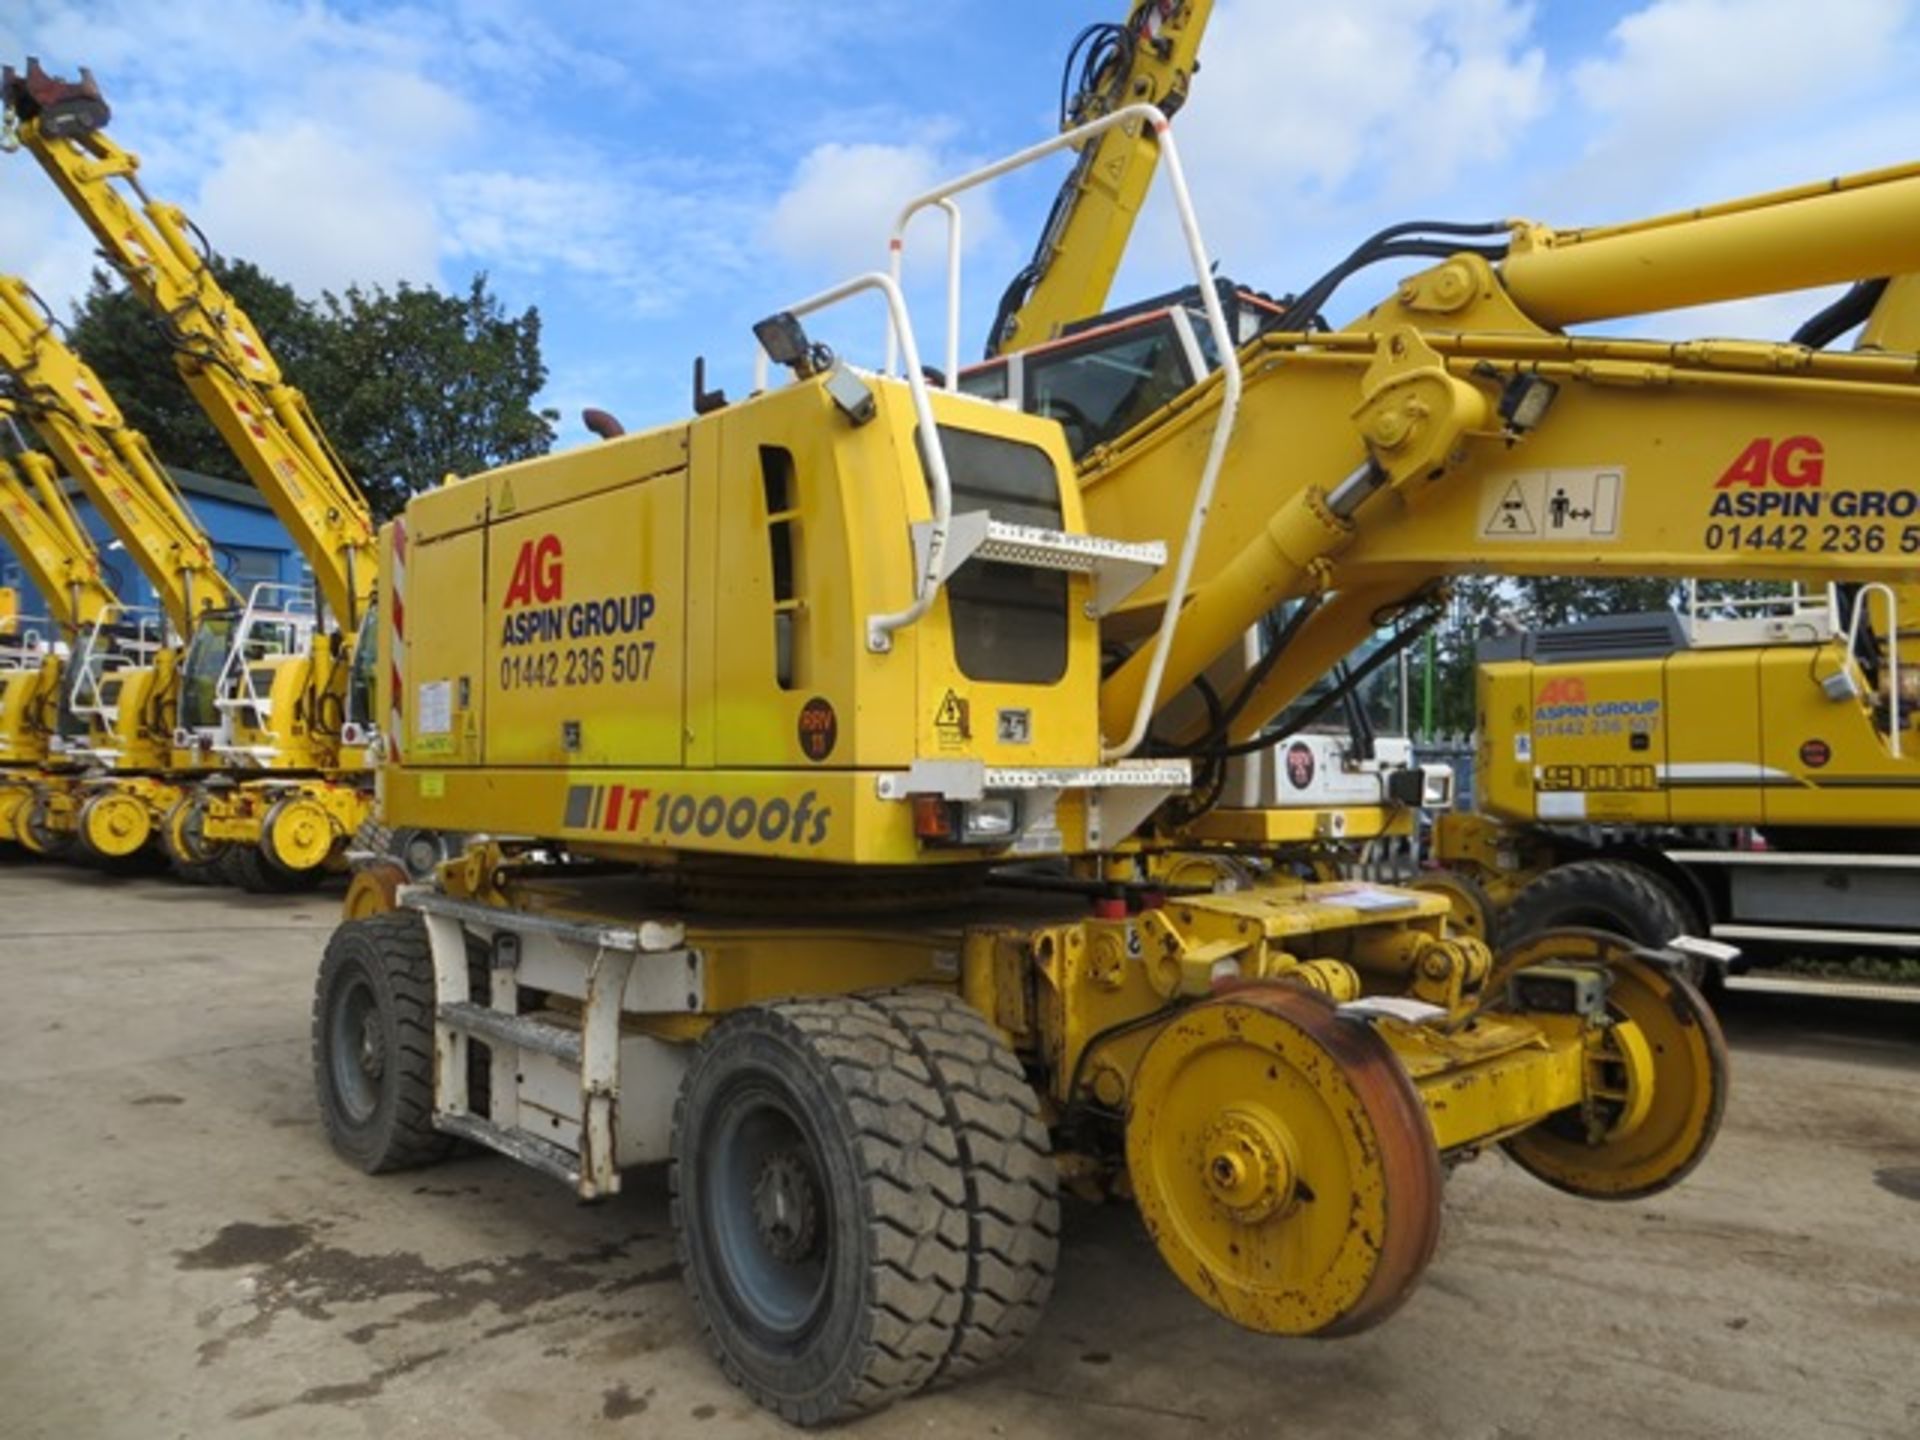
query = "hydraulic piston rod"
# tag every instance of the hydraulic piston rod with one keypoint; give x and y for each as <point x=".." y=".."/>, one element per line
<point x="1853" y="228"/>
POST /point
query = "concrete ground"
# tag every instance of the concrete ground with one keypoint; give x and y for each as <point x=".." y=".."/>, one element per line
<point x="181" y="1255"/>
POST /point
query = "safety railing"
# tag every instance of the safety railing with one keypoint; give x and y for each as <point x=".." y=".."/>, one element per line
<point x="279" y="621"/>
<point x="1799" y="613"/>
<point x="1170" y="166"/>
<point x="880" y="628"/>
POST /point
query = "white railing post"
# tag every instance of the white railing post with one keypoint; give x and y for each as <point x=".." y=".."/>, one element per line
<point x="1216" y="323"/>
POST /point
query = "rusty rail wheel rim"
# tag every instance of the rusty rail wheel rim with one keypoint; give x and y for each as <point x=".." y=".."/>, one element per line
<point x="1283" y="1163"/>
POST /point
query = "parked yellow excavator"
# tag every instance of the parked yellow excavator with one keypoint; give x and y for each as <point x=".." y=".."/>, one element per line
<point x="267" y="688"/>
<point x="142" y="773"/>
<point x="40" y="742"/>
<point x="1746" y="767"/>
<point x="882" y="877"/>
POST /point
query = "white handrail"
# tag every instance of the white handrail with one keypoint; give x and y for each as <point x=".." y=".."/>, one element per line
<point x="895" y="243"/>
<point x="880" y="628"/>
<point x="1216" y="323"/>
<point x="1892" y="649"/>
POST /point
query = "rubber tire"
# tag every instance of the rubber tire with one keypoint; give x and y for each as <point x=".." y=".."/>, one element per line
<point x="890" y="1162"/>
<point x="392" y="953"/>
<point x="1012" y="1182"/>
<point x="1612" y="895"/>
<point x="248" y="868"/>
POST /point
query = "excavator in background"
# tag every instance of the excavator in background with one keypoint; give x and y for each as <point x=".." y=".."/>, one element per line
<point x="144" y="780"/>
<point x="1148" y="59"/>
<point x="1746" y="768"/>
<point x="39" y="741"/>
<point x="267" y="685"/>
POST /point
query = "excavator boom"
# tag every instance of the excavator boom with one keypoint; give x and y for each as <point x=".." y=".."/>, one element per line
<point x="220" y="353"/>
<point x="71" y="407"/>
<point x="1150" y="59"/>
<point x="38" y="522"/>
<point x="1452" y="430"/>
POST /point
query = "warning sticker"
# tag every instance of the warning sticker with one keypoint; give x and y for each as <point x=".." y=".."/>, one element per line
<point x="433" y="714"/>
<point x="1552" y="505"/>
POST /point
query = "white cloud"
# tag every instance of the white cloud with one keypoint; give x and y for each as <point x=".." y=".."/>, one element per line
<point x="840" y="208"/>
<point x="1727" y="95"/>
<point x="644" y="243"/>
<point x="318" y="211"/>
<point x="1305" y="114"/>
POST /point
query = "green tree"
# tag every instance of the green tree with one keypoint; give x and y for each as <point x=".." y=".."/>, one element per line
<point x="120" y="337"/>
<point x="414" y="385"/>
<point x="410" y="385"/>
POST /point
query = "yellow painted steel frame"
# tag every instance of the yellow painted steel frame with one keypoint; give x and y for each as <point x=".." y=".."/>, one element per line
<point x="301" y="824"/>
<point x="644" y="645"/>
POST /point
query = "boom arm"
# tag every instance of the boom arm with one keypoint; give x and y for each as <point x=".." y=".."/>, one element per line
<point x="37" y="521"/>
<point x="1148" y="60"/>
<point x="1475" y="439"/>
<point x="67" y="403"/>
<point x="219" y="352"/>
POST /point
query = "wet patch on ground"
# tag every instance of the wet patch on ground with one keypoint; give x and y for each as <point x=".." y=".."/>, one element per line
<point x="620" y="1402"/>
<point x="292" y="1269"/>
<point x="342" y="1393"/>
<point x="1901" y="1180"/>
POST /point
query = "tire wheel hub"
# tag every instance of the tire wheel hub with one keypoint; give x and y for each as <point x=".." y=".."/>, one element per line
<point x="786" y="1208"/>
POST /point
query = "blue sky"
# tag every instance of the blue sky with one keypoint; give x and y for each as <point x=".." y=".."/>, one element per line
<point x="656" y="176"/>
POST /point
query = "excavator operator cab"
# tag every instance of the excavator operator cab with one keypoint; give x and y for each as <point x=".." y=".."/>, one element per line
<point x="121" y="641"/>
<point x="1104" y="375"/>
<point x="360" y="727"/>
<point x="232" y="662"/>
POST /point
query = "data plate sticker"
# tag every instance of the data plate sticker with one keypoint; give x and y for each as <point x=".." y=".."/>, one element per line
<point x="1578" y="505"/>
<point x="433" y="715"/>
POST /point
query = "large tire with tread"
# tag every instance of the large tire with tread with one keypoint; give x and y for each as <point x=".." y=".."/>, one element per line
<point x="373" y="1010"/>
<point x="1616" y="896"/>
<point x="820" y="1208"/>
<point x="1007" y="1165"/>
<point x="249" y="868"/>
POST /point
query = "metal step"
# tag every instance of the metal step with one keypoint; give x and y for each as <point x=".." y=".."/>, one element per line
<point x="1773" y="982"/>
<point x="542" y="1155"/>
<point x="1118" y="567"/>
<point x="485" y="1023"/>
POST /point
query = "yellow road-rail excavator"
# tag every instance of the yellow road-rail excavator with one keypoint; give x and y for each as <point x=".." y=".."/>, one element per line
<point x="41" y="740"/>
<point x="270" y="689"/>
<point x="142" y="771"/>
<point x="1618" y="756"/>
<point x="881" y="883"/>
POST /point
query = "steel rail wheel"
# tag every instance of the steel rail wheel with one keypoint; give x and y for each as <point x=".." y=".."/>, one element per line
<point x="46" y="825"/>
<point x="194" y="858"/>
<point x="1660" y="1085"/>
<point x="114" y="824"/>
<point x="374" y="889"/>
<point x="298" y="834"/>
<point x="1472" y="910"/>
<point x="1283" y="1162"/>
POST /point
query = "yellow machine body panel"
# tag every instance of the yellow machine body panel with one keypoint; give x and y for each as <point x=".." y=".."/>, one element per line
<point x="649" y="643"/>
<point x="1744" y="735"/>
